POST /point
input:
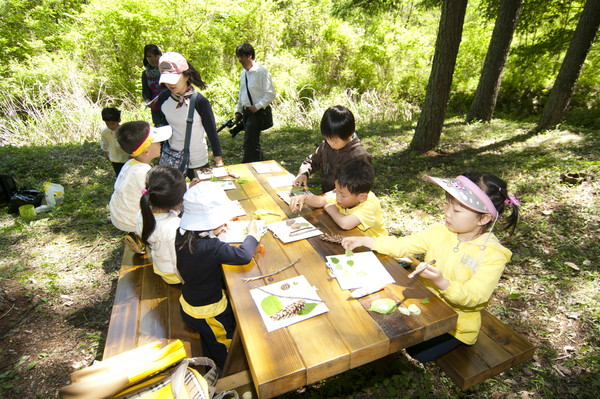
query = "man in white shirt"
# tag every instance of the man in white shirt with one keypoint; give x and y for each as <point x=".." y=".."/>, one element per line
<point x="256" y="94"/>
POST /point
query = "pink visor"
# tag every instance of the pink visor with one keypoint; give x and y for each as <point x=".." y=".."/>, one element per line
<point x="467" y="193"/>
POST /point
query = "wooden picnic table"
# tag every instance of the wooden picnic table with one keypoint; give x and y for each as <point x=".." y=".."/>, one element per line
<point x="346" y="336"/>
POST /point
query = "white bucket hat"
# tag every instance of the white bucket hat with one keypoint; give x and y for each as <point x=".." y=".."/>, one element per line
<point x="206" y="207"/>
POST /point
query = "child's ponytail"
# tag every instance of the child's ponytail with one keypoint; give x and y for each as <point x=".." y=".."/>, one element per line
<point x="164" y="191"/>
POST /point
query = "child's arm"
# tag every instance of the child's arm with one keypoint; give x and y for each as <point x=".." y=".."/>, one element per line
<point x="309" y="166"/>
<point x="298" y="201"/>
<point x="346" y="222"/>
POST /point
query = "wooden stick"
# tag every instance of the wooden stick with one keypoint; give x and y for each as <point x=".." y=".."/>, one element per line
<point x="247" y="279"/>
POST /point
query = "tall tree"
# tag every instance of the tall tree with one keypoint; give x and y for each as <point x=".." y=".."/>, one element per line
<point x="489" y="83"/>
<point x="429" y="127"/>
<point x="562" y="91"/>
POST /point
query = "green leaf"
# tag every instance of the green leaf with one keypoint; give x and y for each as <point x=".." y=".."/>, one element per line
<point x="335" y="260"/>
<point x="350" y="262"/>
<point x="214" y="179"/>
<point x="308" y="307"/>
<point x="383" y="306"/>
<point x="425" y="300"/>
<point x="271" y="305"/>
<point x="349" y="252"/>
<point x="514" y="296"/>
<point x="242" y="180"/>
<point x="31" y="365"/>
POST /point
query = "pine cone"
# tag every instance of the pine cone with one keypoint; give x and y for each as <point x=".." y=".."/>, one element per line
<point x="335" y="238"/>
<point x="290" y="310"/>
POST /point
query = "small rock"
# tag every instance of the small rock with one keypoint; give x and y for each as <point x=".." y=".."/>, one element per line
<point x="547" y="212"/>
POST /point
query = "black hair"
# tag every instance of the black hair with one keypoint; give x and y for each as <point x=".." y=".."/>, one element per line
<point x="194" y="77"/>
<point x="165" y="187"/>
<point x="245" y="50"/>
<point x="188" y="239"/>
<point x="111" y="115"/>
<point x="131" y="134"/>
<point x="496" y="189"/>
<point x="338" y="121"/>
<point x="152" y="49"/>
<point x="356" y="175"/>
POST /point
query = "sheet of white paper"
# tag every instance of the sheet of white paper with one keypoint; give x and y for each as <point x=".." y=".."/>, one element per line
<point x="298" y="288"/>
<point x="286" y="195"/>
<point x="266" y="167"/>
<point x="227" y="184"/>
<point x="214" y="172"/>
<point x="282" y="230"/>
<point x="281" y="181"/>
<point x="241" y="211"/>
<point x="236" y="230"/>
<point x="361" y="269"/>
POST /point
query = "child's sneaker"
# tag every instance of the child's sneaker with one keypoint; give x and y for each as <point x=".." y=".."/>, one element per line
<point x="134" y="242"/>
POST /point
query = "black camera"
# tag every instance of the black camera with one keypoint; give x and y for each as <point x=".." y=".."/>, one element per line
<point x="234" y="126"/>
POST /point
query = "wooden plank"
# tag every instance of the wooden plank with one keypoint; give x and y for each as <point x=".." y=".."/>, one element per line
<point x="177" y="329"/>
<point x="497" y="349"/>
<point x="123" y="325"/>
<point x="154" y="309"/>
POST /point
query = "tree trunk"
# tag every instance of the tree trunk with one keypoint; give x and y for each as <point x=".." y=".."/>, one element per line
<point x="484" y="102"/>
<point x="429" y="127"/>
<point x="562" y="91"/>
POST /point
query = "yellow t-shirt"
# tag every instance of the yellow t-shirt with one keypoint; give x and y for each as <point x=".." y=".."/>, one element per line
<point x="369" y="213"/>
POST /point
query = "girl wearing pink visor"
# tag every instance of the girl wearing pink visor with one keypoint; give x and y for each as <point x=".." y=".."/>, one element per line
<point x="469" y="259"/>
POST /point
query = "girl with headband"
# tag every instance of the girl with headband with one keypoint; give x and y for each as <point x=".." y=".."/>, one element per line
<point x="469" y="259"/>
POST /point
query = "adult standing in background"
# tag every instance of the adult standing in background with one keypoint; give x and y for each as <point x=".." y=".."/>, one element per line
<point x="178" y="76"/>
<point x="151" y="87"/>
<point x="256" y="94"/>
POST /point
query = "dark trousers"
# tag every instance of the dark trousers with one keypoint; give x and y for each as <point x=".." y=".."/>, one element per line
<point x="433" y="348"/>
<point x="252" y="128"/>
<point x="117" y="166"/>
<point x="215" y="334"/>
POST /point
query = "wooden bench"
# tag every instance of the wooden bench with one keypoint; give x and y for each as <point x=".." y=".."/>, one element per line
<point x="146" y="309"/>
<point x="498" y="348"/>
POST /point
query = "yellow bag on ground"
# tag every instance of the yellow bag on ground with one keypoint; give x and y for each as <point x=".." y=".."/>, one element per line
<point x="148" y="372"/>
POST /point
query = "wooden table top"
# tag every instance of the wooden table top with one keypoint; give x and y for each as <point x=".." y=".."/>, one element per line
<point x="348" y="335"/>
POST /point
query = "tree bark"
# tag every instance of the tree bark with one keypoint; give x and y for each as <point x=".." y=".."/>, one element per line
<point x="486" y="95"/>
<point x="562" y="91"/>
<point x="429" y="127"/>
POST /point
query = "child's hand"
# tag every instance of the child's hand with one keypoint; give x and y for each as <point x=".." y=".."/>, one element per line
<point x="252" y="229"/>
<point x="355" y="242"/>
<point x="194" y="181"/>
<point x="436" y="276"/>
<point x="297" y="202"/>
<point x="301" y="181"/>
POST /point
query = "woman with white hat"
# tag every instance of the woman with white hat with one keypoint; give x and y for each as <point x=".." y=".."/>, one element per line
<point x="179" y="76"/>
<point x="200" y="254"/>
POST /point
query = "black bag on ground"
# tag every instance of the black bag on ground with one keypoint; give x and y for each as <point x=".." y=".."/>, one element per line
<point x="25" y="197"/>
<point x="8" y="186"/>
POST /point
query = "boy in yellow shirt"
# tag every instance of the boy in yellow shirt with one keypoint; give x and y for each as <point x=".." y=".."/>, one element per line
<point x="351" y="204"/>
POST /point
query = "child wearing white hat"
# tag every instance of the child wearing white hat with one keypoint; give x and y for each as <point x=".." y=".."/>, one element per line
<point x="200" y="254"/>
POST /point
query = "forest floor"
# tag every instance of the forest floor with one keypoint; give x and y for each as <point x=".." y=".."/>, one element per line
<point x="59" y="269"/>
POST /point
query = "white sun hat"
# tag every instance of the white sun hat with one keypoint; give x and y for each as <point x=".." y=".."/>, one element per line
<point x="206" y="207"/>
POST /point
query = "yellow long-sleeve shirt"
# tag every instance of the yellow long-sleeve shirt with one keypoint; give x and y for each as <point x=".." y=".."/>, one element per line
<point x="472" y="269"/>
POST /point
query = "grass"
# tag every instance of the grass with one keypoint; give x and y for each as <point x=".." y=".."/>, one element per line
<point x="59" y="269"/>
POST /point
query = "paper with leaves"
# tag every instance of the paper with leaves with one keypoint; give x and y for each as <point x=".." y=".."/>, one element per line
<point x="211" y="172"/>
<point x="358" y="270"/>
<point x="293" y="229"/>
<point x="287" y="302"/>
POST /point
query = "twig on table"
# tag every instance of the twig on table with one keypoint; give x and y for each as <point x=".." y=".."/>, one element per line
<point x="247" y="279"/>
<point x="289" y="296"/>
<point x="254" y="196"/>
